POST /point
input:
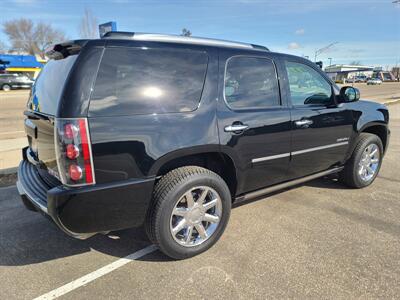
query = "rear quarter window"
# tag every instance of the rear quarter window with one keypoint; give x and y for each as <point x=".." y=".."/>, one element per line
<point x="47" y="90"/>
<point x="145" y="81"/>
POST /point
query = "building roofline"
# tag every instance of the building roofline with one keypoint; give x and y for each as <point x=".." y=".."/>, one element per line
<point x="348" y="66"/>
<point x="348" y="71"/>
<point x="155" y="37"/>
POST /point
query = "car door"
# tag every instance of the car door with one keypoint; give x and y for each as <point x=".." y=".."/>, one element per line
<point x="253" y="122"/>
<point x="321" y="130"/>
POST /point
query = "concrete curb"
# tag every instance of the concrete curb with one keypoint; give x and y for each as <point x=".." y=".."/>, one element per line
<point x="8" y="171"/>
<point x="8" y="177"/>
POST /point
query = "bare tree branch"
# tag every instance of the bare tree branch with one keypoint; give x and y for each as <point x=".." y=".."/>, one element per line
<point x="186" y="32"/>
<point x="3" y="47"/>
<point x="44" y="36"/>
<point x="88" y="27"/>
<point x="33" y="39"/>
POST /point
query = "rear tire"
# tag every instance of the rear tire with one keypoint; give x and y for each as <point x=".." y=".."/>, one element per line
<point x="6" y="87"/>
<point x="365" y="162"/>
<point x="190" y="211"/>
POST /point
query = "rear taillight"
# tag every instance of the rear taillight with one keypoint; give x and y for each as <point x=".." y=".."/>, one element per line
<point x="74" y="154"/>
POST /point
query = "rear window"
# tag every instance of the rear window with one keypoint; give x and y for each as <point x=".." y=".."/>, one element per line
<point x="46" y="92"/>
<point x="145" y="81"/>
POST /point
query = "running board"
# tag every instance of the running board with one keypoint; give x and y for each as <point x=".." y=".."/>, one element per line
<point x="274" y="188"/>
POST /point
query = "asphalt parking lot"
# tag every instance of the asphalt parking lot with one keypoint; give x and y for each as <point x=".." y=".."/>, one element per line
<point x="317" y="240"/>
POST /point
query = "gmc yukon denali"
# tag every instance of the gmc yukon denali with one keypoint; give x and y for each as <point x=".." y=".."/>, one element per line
<point x="168" y="132"/>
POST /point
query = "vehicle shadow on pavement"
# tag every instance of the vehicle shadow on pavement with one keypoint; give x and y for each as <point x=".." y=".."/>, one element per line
<point x="329" y="182"/>
<point x="323" y="183"/>
<point x="31" y="248"/>
<point x="29" y="238"/>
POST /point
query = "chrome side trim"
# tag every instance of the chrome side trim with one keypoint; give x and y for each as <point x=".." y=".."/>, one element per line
<point x="274" y="188"/>
<point x="319" y="148"/>
<point x="256" y="160"/>
<point x="22" y="191"/>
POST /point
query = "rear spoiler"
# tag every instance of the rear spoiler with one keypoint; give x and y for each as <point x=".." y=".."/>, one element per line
<point x="63" y="50"/>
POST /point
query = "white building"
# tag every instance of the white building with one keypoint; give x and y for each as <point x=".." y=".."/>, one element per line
<point x="341" y="73"/>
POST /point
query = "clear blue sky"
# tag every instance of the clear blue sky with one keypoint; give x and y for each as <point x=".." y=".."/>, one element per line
<point x="366" y="30"/>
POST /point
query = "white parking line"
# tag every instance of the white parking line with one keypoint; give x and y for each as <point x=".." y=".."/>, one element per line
<point x="392" y="101"/>
<point x="96" y="274"/>
<point x="10" y="132"/>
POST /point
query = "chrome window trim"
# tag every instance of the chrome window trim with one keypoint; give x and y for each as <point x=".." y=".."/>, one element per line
<point x="265" y="158"/>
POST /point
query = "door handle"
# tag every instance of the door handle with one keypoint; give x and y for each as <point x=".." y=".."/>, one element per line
<point x="303" y="123"/>
<point x="236" y="128"/>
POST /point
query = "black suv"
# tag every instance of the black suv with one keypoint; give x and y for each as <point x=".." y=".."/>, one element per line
<point x="170" y="131"/>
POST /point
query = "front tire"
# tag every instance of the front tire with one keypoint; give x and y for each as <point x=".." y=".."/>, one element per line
<point x="365" y="162"/>
<point x="190" y="211"/>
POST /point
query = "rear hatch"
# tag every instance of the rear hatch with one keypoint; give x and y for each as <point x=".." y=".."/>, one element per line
<point x="41" y="111"/>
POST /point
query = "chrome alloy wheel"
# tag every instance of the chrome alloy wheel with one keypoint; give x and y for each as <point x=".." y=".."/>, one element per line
<point x="196" y="216"/>
<point x="369" y="162"/>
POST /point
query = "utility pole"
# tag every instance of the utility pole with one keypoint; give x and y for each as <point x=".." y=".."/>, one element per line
<point x="322" y="50"/>
<point x="330" y="61"/>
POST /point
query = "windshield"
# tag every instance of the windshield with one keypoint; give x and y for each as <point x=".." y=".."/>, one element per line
<point x="46" y="92"/>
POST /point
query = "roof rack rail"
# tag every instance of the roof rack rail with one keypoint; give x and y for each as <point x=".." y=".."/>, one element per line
<point x="155" y="37"/>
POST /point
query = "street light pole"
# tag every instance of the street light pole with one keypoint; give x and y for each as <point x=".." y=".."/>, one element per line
<point x="330" y="61"/>
<point x="322" y="50"/>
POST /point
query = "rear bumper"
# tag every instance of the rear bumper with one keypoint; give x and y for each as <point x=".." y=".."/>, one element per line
<point x="84" y="211"/>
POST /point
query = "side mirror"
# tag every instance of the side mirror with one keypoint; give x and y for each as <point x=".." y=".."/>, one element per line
<point x="349" y="94"/>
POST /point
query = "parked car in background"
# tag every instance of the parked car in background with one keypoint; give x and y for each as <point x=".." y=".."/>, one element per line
<point x="374" y="81"/>
<point x="361" y="78"/>
<point x="170" y="131"/>
<point x="14" y="81"/>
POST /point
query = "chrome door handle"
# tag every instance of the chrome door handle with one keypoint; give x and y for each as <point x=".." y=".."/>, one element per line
<point x="236" y="128"/>
<point x="301" y="123"/>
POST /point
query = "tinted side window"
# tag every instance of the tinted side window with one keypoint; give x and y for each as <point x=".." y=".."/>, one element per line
<point x="307" y="86"/>
<point x="145" y="81"/>
<point x="251" y="82"/>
